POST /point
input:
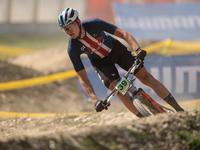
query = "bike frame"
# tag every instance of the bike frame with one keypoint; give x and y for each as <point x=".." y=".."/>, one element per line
<point x="112" y="94"/>
<point x="132" y="89"/>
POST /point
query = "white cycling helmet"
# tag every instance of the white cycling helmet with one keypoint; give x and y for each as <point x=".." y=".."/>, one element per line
<point x="67" y="16"/>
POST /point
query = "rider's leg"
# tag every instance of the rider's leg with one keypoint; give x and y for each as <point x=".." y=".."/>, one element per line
<point x="126" y="99"/>
<point x="147" y="79"/>
<point x="170" y="100"/>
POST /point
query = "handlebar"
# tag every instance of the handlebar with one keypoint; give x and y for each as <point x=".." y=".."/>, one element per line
<point x="132" y="70"/>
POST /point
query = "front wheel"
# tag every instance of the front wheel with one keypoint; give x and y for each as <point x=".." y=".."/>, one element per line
<point x="140" y="107"/>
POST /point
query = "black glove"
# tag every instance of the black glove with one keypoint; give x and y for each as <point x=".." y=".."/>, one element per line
<point x="141" y="54"/>
<point x="99" y="106"/>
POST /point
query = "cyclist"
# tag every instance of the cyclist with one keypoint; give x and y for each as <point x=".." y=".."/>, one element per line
<point x="104" y="51"/>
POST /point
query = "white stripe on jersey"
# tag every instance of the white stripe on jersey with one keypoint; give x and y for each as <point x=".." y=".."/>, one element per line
<point x="88" y="45"/>
<point x="101" y="44"/>
<point x="96" y="42"/>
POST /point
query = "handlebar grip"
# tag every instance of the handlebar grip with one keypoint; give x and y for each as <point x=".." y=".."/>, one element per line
<point x="137" y="61"/>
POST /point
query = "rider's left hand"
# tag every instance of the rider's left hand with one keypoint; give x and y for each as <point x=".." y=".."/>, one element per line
<point x="141" y="54"/>
<point x="99" y="106"/>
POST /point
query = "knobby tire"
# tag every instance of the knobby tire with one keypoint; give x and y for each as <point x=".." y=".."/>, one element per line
<point x="140" y="107"/>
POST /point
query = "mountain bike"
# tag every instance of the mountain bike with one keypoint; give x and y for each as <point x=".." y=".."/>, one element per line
<point x="144" y="103"/>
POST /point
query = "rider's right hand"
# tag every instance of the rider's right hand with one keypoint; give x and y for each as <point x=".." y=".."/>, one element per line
<point x="141" y="54"/>
<point x="99" y="106"/>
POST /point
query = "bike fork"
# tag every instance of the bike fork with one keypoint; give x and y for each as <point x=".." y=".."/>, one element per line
<point x="151" y="100"/>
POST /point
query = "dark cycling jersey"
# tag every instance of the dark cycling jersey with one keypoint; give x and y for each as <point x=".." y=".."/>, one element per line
<point x="96" y="44"/>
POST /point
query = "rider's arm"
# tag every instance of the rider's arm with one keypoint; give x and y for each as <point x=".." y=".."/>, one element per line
<point x="87" y="87"/>
<point x="112" y="29"/>
<point x="127" y="37"/>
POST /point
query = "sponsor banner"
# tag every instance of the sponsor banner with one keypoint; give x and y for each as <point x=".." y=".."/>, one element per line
<point x="176" y="21"/>
<point x="180" y="74"/>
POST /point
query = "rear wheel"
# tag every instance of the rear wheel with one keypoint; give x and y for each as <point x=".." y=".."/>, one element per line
<point x="148" y="105"/>
<point x="140" y="107"/>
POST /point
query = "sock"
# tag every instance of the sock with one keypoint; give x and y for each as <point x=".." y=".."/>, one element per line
<point x="139" y="115"/>
<point x="171" y="101"/>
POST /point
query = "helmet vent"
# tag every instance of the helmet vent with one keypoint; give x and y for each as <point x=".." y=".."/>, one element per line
<point x="72" y="13"/>
<point x="61" y="19"/>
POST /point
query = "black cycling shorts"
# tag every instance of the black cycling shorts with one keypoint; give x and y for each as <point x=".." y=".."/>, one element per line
<point x="105" y="67"/>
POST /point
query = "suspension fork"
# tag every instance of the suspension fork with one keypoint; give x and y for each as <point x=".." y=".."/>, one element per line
<point x="151" y="100"/>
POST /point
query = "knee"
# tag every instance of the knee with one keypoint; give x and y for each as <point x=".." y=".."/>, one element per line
<point x="117" y="93"/>
<point x="112" y="85"/>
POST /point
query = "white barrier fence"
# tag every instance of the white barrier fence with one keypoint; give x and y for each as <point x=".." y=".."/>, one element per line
<point x="37" y="11"/>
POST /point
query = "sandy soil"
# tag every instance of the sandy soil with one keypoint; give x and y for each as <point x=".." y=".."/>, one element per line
<point x="46" y="61"/>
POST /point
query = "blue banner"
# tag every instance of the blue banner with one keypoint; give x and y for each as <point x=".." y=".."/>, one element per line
<point x="176" y="21"/>
<point x="180" y="74"/>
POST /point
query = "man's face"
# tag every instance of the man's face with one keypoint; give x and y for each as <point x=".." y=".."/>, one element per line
<point x="72" y="29"/>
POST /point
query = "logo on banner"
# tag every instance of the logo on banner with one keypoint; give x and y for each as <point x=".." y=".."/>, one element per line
<point x="160" y="22"/>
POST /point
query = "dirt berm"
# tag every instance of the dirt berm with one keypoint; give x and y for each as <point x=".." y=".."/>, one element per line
<point x="103" y="131"/>
<point x="114" y="129"/>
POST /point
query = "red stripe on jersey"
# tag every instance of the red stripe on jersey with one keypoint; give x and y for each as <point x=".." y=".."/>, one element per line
<point x="95" y="45"/>
<point x="103" y="51"/>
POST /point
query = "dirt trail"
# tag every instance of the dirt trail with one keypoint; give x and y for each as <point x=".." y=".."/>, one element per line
<point x="103" y="131"/>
